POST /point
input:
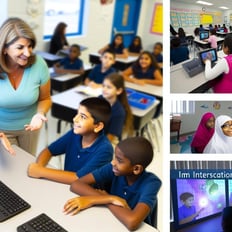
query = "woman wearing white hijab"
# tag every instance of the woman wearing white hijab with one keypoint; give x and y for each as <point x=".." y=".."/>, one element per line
<point x="221" y="141"/>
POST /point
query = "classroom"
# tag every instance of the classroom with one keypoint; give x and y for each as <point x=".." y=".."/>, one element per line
<point x="206" y="29"/>
<point x="89" y="26"/>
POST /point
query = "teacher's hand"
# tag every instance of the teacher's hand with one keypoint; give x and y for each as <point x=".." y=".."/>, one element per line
<point x="6" y="144"/>
<point x="36" y="122"/>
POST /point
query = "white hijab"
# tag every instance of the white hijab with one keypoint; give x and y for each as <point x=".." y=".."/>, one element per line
<point x="219" y="143"/>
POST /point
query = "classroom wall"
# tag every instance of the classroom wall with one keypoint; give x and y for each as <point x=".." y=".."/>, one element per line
<point x="99" y="23"/>
<point x="193" y="8"/>
<point x="190" y="122"/>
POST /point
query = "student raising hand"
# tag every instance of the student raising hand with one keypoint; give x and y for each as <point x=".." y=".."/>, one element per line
<point x="5" y="142"/>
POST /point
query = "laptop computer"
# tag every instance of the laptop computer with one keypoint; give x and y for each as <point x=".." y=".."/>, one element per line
<point x="197" y="65"/>
<point x="203" y="35"/>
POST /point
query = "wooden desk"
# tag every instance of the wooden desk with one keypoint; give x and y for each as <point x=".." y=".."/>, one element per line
<point x="65" y="107"/>
<point x="49" y="197"/>
<point x="120" y="64"/>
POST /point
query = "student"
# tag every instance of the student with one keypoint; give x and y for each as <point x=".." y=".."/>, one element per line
<point x="157" y="53"/>
<point x="58" y="40"/>
<point x="187" y="212"/>
<point x="6" y="143"/>
<point x="205" y="131"/>
<point x="223" y="66"/>
<point x="117" y="46"/>
<point x="85" y="146"/>
<point x="225" y="28"/>
<point x="100" y="71"/>
<point x="182" y="36"/>
<point x="221" y="141"/>
<point x="173" y="31"/>
<point x="212" y="39"/>
<point x="201" y="28"/>
<point x="135" y="47"/>
<point x="133" y="192"/>
<point x="196" y="31"/>
<point x="144" y="71"/>
<point x="72" y="63"/>
<point x="114" y="92"/>
<point x="178" y="53"/>
<point x="226" y="219"/>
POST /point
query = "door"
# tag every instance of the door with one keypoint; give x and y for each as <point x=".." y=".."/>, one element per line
<point x="126" y="17"/>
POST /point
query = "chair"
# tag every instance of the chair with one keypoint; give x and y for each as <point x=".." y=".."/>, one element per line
<point x="175" y="126"/>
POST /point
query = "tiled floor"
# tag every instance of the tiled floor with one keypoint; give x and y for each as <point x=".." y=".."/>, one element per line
<point x="153" y="132"/>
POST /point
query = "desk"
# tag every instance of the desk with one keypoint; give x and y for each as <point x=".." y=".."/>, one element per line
<point x="49" y="197"/>
<point x="120" y="64"/>
<point x="65" y="106"/>
<point x="67" y="81"/>
<point x="180" y="82"/>
<point x="49" y="58"/>
<point x="204" y="44"/>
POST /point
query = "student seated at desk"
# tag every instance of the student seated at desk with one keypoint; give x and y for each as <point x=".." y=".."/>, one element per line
<point x="212" y="39"/>
<point x="121" y="120"/>
<point x="100" y="71"/>
<point x="117" y="46"/>
<point x="136" y="46"/>
<point x="58" y="40"/>
<point x="157" y="53"/>
<point x="72" y="63"/>
<point x="132" y="192"/>
<point x="178" y="53"/>
<point x="223" y="66"/>
<point x="144" y="71"/>
<point x="85" y="146"/>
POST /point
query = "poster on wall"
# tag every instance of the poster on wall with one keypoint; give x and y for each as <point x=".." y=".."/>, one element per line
<point x="157" y="19"/>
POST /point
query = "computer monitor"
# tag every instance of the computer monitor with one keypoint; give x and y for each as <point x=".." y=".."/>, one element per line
<point x="203" y="197"/>
<point x="203" y="35"/>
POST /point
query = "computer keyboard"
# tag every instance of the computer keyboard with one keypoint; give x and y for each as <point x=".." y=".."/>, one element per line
<point x="41" y="223"/>
<point x="10" y="203"/>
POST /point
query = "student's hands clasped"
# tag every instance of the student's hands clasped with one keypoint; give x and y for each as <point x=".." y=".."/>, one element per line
<point x="75" y="205"/>
<point x="36" y="122"/>
<point x="6" y="144"/>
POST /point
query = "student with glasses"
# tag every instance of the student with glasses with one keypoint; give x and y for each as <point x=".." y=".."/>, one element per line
<point x="221" y="141"/>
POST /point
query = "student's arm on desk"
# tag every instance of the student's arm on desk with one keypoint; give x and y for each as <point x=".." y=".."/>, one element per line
<point x="217" y="70"/>
<point x="124" y="55"/>
<point x="131" y="218"/>
<point x="39" y="170"/>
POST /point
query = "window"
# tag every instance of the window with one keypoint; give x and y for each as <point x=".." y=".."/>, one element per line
<point x="71" y="12"/>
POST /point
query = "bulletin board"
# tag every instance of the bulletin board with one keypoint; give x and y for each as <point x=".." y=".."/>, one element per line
<point x="181" y="19"/>
<point x="157" y="19"/>
<point x="206" y="19"/>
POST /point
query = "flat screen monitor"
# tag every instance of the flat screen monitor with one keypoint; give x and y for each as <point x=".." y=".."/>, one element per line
<point x="195" y="200"/>
<point x="203" y="35"/>
<point x="209" y="53"/>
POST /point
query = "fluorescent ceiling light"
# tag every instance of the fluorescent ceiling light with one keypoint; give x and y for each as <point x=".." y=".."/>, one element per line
<point x="224" y="7"/>
<point x="205" y="3"/>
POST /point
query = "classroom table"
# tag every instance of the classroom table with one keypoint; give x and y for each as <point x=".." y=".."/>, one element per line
<point x="50" y="59"/>
<point x="49" y="197"/>
<point x="223" y="34"/>
<point x="205" y="44"/>
<point x="67" y="81"/>
<point x="180" y="82"/>
<point x="65" y="105"/>
<point x="120" y="63"/>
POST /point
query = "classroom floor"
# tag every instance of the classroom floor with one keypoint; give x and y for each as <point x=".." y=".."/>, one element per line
<point x="153" y="132"/>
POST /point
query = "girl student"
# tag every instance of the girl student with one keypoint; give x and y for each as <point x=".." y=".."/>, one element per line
<point x="136" y="46"/>
<point x="144" y="71"/>
<point x="221" y="141"/>
<point x="117" y="45"/>
<point x="204" y="132"/>
<point x="223" y="66"/>
<point x="121" y="120"/>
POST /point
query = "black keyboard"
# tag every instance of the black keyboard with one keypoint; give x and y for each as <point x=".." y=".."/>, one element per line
<point x="41" y="223"/>
<point x="10" y="203"/>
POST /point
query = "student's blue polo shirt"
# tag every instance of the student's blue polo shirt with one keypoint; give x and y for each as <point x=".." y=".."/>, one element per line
<point x="144" y="190"/>
<point x="68" y="64"/>
<point x="97" y="75"/>
<point x="140" y="74"/>
<point x="82" y="160"/>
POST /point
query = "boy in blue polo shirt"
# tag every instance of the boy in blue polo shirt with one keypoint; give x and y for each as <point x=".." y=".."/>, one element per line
<point x="86" y="148"/>
<point x="133" y="190"/>
<point x="100" y="71"/>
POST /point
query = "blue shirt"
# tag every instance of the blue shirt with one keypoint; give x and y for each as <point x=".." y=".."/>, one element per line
<point x="185" y="212"/>
<point x="117" y="119"/>
<point x="97" y="75"/>
<point x="179" y="54"/>
<point x="159" y="57"/>
<point x="82" y="160"/>
<point x="68" y="64"/>
<point x="140" y="74"/>
<point x="18" y="106"/>
<point x="143" y="190"/>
